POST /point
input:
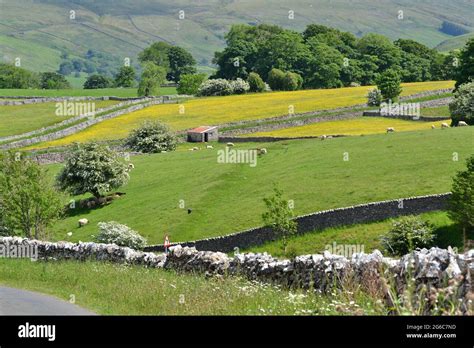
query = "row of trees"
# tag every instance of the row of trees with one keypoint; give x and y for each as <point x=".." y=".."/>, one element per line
<point x="12" y="76"/>
<point x="327" y="57"/>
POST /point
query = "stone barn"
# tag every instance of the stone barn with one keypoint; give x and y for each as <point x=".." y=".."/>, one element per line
<point x="202" y="134"/>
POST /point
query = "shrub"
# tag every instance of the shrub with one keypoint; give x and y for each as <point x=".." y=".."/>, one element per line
<point x="389" y="84"/>
<point x="189" y="83"/>
<point x="92" y="168"/>
<point x="114" y="233"/>
<point x="151" y="137"/>
<point x="406" y="235"/>
<point x="152" y="77"/>
<point x="215" y="87"/>
<point x="462" y="106"/>
<point x="374" y="98"/>
<point x="256" y="83"/>
<point x="276" y="79"/>
<point x="239" y="86"/>
<point x="52" y="80"/>
<point x="292" y="81"/>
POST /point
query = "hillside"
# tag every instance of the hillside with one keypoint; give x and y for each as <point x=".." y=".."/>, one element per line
<point x="40" y="31"/>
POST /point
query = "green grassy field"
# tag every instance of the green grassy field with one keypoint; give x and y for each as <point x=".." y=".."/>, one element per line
<point x="78" y="92"/>
<point x="126" y="290"/>
<point x="18" y="119"/>
<point x="226" y="198"/>
<point x="436" y="111"/>
<point x="367" y="235"/>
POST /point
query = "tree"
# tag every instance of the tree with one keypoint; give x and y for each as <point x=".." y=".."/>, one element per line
<point x="12" y="76"/>
<point x="28" y="201"/>
<point x="389" y="84"/>
<point x="97" y="81"/>
<point x="152" y="77"/>
<point x="276" y="79"/>
<point x="65" y="68"/>
<point x="461" y="208"/>
<point x="462" y="106"/>
<point x="92" y="168"/>
<point x="279" y="216"/>
<point x="189" y="83"/>
<point x="157" y="54"/>
<point x="465" y="71"/>
<point x="387" y="54"/>
<point x="256" y="83"/>
<point x="181" y="62"/>
<point x="151" y="137"/>
<point x="292" y="81"/>
<point x="125" y="77"/>
<point x="52" y="80"/>
<point x="324" y="69"/>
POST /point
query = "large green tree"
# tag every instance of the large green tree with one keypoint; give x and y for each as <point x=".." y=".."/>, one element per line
<point x="125" y="77"/>
<point x="29" y="203"/>
<point x="465" y="71"/>
<point x="174" y="59"/>
<point x="461" y="209"/>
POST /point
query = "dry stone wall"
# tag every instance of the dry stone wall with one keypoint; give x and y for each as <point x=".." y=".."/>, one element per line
<point x="426" y="271"/>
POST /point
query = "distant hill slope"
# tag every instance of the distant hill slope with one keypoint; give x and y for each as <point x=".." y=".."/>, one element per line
<point x="454" y="43"/>
<point x="38" y="31"/>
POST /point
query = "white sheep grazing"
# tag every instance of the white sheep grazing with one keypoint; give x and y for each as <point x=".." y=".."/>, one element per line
<point x="131" y="166"/>
<point x="262" y="151"/>
<point x="323" y="137"/>
<point x="230" y="144"/>
<point x="83" y="222"/>
<point x="195" y="148"/>
<point x="462" y="124"/>
<point x="390" y="130"/>
<point x="444" y="125"/>
<point x="433" y="126"/>
<point x="209" y="147"/>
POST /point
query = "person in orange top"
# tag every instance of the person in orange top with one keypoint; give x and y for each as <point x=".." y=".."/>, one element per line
<point x="167" y="244"/>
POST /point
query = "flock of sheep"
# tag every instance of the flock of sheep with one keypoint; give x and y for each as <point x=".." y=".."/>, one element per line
<point x="443" y="125"/>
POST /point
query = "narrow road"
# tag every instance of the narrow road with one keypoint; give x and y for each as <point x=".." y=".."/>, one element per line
<point x="22" y="302"/>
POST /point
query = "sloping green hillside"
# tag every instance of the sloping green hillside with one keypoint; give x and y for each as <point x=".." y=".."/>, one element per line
<point x="38" y="31"/>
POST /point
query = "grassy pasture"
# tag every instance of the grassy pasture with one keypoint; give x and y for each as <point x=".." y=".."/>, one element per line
<point x="226" y="198"/>
<point x="358" y="126"/>
<point x="126" y="290"/>
<point x="368" y="235"/>
<point x="18" y="119"/>
<point x="219" y="110"/>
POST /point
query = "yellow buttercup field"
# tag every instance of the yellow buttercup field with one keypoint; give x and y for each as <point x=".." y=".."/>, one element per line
<point x="357" y="126"/>
<point x="220" y="110"/>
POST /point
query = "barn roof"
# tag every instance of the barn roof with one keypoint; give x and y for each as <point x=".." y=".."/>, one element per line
<point x="202" y="129"/>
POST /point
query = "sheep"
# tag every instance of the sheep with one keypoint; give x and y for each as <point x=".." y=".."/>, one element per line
<point x="433" y="126"/>
<point x="83" y="222"/>
<point x="230" y="144"/>
<point x="262" y="151"/>
<point x="195" y="148"/>
<point x="462" y="124"/>
<point x="444" y="125"/>
<point x="209" y="147"/>
<point x="131" y="166"/>
<point x="323" y="137"/>
<point x="390" y="130"/>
